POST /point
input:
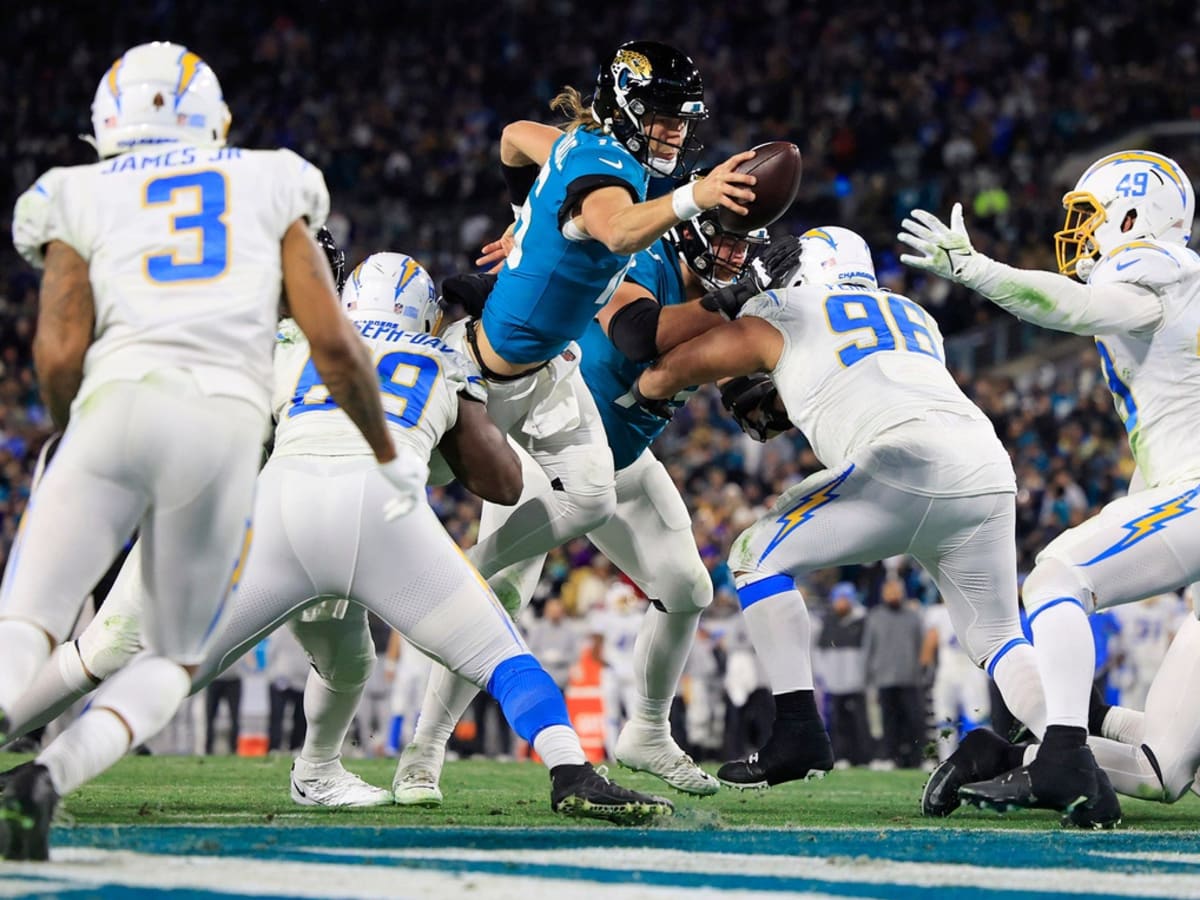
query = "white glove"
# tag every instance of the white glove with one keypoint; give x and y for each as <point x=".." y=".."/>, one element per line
<point x="407" y="473"/>
<point x="943" y="251"/>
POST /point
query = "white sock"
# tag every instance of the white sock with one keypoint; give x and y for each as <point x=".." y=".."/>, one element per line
<point x="329" y="714"/>
<point x="1066" y="658"/>
<point x="447" y="697"/>
<point x="1126" y="726"/>
<point x="23" y="649"/>
<point x="132" y="707"/>
<point x="781" y="633"/>
<point x="558" y="745"/>
<point x="85" y="749"/>
<point x="659" y="655"/>
<point x="60" y="681"/>
<point x="1017" y="675"/>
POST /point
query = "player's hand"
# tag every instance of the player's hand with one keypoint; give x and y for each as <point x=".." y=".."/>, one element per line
<point x="752" y="402"/>
<point x="942" y="250"/>
<point x="725" y="187"/>
<point x="729" y="300"/>
<point x="495" y="252"/>
<point x="652" y="405"/>
<point x="469" y="290"/>
<point x="407" y="473"/>
<point x="770" y="268"/>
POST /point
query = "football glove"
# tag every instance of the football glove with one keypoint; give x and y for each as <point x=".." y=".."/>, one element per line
<point x="773" y="265"/>
<point x="469" y="290"/>
<point x="729" y="300"/>
<point x="657" y="407"/>
<point x="750" y="401"/>
<point x="408" y="474"/>
<point x="942" y="250"/>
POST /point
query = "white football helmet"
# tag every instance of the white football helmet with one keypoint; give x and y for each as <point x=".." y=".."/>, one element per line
<point x="157" y="93"/>
<point x="1127" y="196"/>
<point x="396" y="287"/>
<point x="835" y="257"/>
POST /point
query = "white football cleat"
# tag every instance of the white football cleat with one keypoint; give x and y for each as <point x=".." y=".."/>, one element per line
<point x="417" y="774"/>
<point x="329" y="784"/>
<point x="644" y="747"/>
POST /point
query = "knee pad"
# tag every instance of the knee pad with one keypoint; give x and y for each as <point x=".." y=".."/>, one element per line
<point x="1053" y="581"/>
<point x="586" y="480"/>
<point x="528" y="695"/>
<point x="108" y="643"/>
<point x="688" y="591"/>
<point x="741" y="558"/>
<point x="341" y="653"/>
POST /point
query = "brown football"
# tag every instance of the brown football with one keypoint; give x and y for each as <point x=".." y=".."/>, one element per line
<point x="777" y="166"/>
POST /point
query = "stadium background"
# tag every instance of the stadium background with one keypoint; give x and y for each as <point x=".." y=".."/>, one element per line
<point x="1000" y="105"/>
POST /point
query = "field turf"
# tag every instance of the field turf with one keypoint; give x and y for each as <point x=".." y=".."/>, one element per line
<point x="483" y="793"/>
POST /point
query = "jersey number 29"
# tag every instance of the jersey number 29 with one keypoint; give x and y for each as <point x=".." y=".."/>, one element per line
<point x="405" y="381"/>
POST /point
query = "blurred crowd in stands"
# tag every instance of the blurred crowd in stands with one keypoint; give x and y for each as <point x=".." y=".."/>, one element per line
<point x="999" y="105"/>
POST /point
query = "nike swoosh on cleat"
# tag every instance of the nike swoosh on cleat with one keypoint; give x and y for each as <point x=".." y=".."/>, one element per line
<point x="299" y="790"/>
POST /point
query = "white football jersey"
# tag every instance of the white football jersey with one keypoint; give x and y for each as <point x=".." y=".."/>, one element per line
<point x="857" y="364"/>
<point x="183" y="246"/>
<point x="420" y="378"/>
<point x="1154" y="376"/>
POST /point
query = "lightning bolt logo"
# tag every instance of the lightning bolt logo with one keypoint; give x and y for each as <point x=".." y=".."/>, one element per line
<point x="805" y="509"/>
<point x="1151" y="523"/>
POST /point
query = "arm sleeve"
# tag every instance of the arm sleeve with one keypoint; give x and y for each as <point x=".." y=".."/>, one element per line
<point x="1101" y="306"/>
<point x="301" y="192"/>
<point x="38" y="219"/>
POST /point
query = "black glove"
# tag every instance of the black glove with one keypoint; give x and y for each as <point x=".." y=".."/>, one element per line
<point x="729" y="300"/>
<point x="661" y="408"/>
<point x="469" y="290"/>
<point x="779" y="260"/>
<point x="751" y="400"/>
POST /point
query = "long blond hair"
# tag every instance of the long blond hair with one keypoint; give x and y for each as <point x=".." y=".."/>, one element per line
<point x="571" y="105"/>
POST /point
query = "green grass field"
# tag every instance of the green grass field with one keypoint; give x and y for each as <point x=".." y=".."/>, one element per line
<point x="484" y="793"/>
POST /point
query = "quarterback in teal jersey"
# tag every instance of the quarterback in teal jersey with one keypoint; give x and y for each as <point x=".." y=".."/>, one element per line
<point x="583" y="214"/>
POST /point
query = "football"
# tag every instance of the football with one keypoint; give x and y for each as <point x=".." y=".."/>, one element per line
<point x="777" y="166"/>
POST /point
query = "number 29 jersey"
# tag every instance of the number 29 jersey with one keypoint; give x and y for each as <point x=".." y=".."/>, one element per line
<point x="183" y="246"/>
<point x="862" y="375"/>
<point x="420" y="378"/>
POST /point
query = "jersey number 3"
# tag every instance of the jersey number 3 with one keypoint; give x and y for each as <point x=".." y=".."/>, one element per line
<point x="206" y="195"/>
<point x="405" y="382"/>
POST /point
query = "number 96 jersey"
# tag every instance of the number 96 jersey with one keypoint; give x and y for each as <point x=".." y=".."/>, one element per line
<point x="865" y="369"/>
<point x="183" y="246"/>
<point x="420" y="378"/>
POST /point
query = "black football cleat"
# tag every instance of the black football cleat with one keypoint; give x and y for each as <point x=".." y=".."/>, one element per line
<point x="982" y="754"/>
<point x="10" y="774"/>
<point x="795" y="751"/>
<point x="1065" y="780"/>
<point x="585" y="793"/>
<point x="27" y="807"/>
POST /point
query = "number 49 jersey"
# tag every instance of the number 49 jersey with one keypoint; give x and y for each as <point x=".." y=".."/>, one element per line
<point x="183" y="246"/>
<point x="420" y="378"/>
<point x="857" y="364"/>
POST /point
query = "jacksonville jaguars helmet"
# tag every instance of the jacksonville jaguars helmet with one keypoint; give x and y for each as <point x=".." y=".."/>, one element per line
<point x="1127" y="196"/>
<point x="718" y="256"/>
<point x="334" y="254"/>
<point x="645" y="81"/>
<point x="157" y="93"/>
<point x="832" y="256"/>
<point x="396" y="287"/>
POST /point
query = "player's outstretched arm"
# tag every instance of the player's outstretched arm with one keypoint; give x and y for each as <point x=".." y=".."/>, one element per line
<point x="478" y="454"/>
<point x="338" y="352"/>
<point x="1044" y="298"/>
<point x="610" y="216"/>
<point x="65" y="326"/>
<point x="740" y="347"/>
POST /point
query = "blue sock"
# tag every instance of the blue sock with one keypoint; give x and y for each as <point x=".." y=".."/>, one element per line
<point x="395" y="731"/>
<point x="528" y="696"/>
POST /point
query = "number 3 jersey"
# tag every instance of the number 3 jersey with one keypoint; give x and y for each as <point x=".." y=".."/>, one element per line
<point x="183" y="246"/>
<point x="861" y="374"/>
<point x="420" y="378"/>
